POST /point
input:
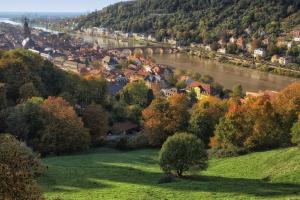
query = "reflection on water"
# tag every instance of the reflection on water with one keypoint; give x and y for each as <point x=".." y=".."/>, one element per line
<point x="226" y="74"/>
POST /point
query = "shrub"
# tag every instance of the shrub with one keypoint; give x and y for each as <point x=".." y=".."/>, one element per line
<point x="296" y="134"/>
<point x="122" y="144"/>
<point x="181" y="152"/>
<point x="138" y="141"/>
<point x="19" y="168"/>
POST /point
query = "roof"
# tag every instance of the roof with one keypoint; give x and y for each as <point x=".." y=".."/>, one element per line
<point x="120" y="127"/>
<point x="114" y="88"/>
<point x="207" y="88"/>
<point x="194" y="84"/>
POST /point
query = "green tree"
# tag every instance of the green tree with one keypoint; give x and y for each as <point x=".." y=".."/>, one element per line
<point x="182" y="152"/>
<point x="3" y="100"/>
<point x="19" y="170"/>
<point x="25" y="120"/>
<point x="237" y="92"/>
<point x="28" y="91"/>
<point x="205" y="116"/>
<point x="136" y="93"/>
<point x="296" y="133"/>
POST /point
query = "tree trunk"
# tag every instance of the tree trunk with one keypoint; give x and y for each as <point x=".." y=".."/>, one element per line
<point x="179" y="172"/>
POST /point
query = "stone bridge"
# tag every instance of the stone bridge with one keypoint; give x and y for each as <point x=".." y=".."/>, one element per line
<point x="142" y="50"/>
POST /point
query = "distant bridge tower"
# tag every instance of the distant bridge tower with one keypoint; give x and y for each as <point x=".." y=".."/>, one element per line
<point x="27" y="32"/>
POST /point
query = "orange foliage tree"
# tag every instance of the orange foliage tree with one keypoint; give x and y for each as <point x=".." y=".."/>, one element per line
<point x="165" y="117"/>
<point x="64" y="131"/>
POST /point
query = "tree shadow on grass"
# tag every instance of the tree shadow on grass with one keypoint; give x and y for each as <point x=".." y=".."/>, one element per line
<point x="99" y="172"/>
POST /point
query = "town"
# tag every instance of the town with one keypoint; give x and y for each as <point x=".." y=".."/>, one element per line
<point x="149" y="99"/>
<point x="121" y="66"/>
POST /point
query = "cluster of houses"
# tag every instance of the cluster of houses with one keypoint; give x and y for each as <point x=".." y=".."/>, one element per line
<point x="286" y="41"/>
<point x="141" y="69"/>
<point x="96" y="31"/>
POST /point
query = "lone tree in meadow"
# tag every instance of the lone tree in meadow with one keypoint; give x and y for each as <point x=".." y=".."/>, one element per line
<point x="181" y="152"/>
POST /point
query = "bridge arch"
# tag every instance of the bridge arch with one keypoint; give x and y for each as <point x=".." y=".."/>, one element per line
<point x="149" y="51"/>
<point x="126" y="52"/>
<point x="159" y="51"/>
<point x="138" y="51"/>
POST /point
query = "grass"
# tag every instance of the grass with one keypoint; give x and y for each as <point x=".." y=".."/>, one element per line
<point x="109" y="174"/>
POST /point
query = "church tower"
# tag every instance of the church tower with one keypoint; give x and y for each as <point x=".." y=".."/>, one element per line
<point x="26" y="28"/>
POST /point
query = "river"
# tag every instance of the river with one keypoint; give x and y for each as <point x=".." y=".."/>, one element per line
<point x="224" y="74"/>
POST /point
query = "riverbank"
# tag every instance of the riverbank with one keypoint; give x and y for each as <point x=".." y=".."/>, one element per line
<point x="246" y="62"/>
<point x="228" y="75"/>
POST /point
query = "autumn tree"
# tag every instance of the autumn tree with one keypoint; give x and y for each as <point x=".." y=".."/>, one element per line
<point x="251" y="126"/>
<point x="95" y="119"/>
<point x="19" y="169"/>
<point x="63" y="130"/>
<point x="155" y="120"/>
<point x="177" y="115"/>
<point x="267" y="131"/>
<point x="165" y="117"/>
<point x="181" y="152"/>
<point x="287" y="104"/>
<point x="205" y="116"/>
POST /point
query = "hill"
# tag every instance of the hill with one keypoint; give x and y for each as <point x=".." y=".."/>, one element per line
<point x="109" y="174"/>
<point x="25" y="74"/>
<point x="196" y="20"/>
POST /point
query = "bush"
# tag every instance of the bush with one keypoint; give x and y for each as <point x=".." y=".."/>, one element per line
<point x="296" y="134"/>
<point x="181" y="152"/>
<point x="138" y="141"/>
<point x="122" y="144"/>
<point x="19" y="169"/>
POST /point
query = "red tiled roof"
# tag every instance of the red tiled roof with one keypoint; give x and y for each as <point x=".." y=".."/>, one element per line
<point x="194" y="84"/>
<point x="207" y="88"/>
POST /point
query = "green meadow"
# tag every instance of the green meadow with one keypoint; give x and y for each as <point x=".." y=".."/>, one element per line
<point x="109" y="174"/>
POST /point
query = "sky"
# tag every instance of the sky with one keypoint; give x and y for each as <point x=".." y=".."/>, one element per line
<point x="53" y="5"/>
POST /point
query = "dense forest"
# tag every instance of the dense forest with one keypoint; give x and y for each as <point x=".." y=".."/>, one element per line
<point x="197" y="20"/>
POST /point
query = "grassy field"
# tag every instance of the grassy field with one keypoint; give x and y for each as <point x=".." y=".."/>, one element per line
<point x="109" y="174"/>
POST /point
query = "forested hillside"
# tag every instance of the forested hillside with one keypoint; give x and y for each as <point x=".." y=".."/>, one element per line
<point x="196" y="20"/>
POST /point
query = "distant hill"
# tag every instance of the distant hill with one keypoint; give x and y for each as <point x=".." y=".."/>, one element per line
<point x="196" y="20"/>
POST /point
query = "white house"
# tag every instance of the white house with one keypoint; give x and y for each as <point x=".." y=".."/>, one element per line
<point x="222" y="51"/>
<point x="297" y="39"/>
<point x="284" y="60"/>
<point x="232" y="40"/>
<point x="207" y="48"/>
<point x="169" y="92"/>
<point x="259" y="53"/>
<point x="47" y="56"/>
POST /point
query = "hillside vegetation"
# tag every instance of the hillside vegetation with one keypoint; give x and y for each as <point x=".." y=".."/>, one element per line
<point x="196" y="20"/>
<point x="109" y="174"/>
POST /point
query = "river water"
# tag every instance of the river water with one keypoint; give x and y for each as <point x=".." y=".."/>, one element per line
<point x="224" y="74"/>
